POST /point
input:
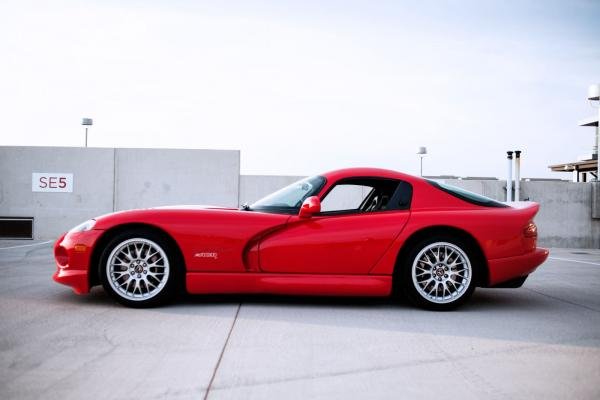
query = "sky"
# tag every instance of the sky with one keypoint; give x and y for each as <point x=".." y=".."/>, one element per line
<point x="301" y="87"/>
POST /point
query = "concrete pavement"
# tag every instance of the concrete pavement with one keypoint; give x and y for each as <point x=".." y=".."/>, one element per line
<point x="540" y="341"/>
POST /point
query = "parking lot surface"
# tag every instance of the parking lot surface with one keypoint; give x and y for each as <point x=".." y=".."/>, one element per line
<point x="541" y="341"/>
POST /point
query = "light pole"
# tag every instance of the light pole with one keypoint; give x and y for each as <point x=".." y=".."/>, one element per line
<point x="86" y="122"/>
<point x="422" y="152"/>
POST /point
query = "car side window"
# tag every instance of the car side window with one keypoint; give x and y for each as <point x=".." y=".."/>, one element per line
<point x="358" y="195"/>
<point x="345" y="197"/>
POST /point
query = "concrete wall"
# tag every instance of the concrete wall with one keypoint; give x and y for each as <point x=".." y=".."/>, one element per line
<point x="56" y="212"/>
<point x="106" y="180"/>
<point x="157" y="177"/>
<point x="565" y="217"/>
<point x="118" y="179"/>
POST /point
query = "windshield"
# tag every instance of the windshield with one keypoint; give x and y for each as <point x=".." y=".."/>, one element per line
<point x="290" y="198"/>
<point x="465" y="195"/>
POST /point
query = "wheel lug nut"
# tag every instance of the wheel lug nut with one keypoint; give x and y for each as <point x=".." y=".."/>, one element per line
<point x="139" y="275"/>
<point x="145" y="271"/>
<point x="445" y="276"/>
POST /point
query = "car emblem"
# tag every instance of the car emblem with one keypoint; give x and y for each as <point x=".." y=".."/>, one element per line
<point x="212" y="255"/>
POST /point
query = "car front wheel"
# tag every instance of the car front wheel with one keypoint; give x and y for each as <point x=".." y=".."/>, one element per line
<point x="137" y="269"/>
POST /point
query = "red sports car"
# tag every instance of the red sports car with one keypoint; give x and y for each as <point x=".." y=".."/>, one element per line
<point x="351" y="232"/>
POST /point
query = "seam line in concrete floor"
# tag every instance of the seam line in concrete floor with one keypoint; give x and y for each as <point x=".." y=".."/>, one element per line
<point x="25" y="245"/>
<point x="571" y="260"/>
<point x="563" y="300"/>
<point x="214" y="374"/>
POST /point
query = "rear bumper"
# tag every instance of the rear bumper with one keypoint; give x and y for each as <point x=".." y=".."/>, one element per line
<point x="505" y="269"/>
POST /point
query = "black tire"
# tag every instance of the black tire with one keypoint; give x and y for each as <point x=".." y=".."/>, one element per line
<point x="452" y="288"/>
<point x="160" y="269"/>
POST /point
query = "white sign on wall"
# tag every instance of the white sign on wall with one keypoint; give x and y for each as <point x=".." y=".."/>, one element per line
<point x="51" y="182"/>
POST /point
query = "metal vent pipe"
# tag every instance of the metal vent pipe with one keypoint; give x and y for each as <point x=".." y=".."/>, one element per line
<point x="517" y="175"/>
<point x="509" y="155"/>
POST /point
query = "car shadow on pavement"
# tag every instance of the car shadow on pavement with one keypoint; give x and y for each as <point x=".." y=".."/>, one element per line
<point x="497" y="314"/>
<point x="482" y="300"/>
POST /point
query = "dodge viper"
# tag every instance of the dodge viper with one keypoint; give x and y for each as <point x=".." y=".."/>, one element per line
<point x="351" y="232"/>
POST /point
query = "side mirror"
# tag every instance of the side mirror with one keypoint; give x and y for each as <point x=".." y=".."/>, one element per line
<point x="310" y="207"/>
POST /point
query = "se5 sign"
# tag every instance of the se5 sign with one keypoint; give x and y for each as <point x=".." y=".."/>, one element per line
<point x="51" y="182"/>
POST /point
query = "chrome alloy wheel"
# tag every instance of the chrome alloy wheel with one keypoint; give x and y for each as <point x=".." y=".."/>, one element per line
<point x="441" y="272"/>
<point x="137" y="269"/>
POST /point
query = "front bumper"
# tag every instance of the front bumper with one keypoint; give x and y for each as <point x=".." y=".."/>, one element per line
<point x="73" y="254"/>
<point x="505" y="269"/>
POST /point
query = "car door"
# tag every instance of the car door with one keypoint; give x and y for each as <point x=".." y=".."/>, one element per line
<point x="360" y="219"/>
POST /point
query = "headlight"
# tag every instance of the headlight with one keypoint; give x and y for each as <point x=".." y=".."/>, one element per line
<point x="86" y="226"/>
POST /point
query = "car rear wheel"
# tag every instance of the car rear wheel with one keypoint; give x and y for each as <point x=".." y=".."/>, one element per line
<point x="438" y="274"/>
<point x="137" y="270"/>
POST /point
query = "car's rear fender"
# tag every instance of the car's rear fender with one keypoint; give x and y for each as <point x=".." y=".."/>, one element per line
<point x="492" y="232"/>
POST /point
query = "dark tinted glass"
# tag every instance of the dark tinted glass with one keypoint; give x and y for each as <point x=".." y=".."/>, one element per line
<point x="467" y="196"/>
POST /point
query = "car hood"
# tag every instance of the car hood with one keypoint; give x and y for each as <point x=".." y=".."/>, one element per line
<point x="169" y="215"/>
<point x="192" y="207"/>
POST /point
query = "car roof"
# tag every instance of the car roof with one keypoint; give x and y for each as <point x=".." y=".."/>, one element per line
<point x="369" y="172"/>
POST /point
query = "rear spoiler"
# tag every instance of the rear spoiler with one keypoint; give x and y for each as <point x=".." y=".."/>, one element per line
<point x="527" y="209"/>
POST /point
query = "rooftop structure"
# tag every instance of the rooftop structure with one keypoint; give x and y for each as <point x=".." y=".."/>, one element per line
<point x="587" y="169"/>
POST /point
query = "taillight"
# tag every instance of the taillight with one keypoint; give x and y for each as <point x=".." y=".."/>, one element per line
<point x="530" y="230"/>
